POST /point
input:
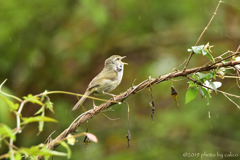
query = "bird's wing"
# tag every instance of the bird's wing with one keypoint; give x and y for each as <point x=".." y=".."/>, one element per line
<point x="103" y="76"/>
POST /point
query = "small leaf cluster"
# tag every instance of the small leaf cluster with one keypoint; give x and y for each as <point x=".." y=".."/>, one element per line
<point x="194" y="87"/>
<point x="204" y="82"/>
<point x="9" y="134"/>
<point x="205" y="50"/>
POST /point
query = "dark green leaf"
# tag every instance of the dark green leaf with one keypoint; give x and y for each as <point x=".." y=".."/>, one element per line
<point x="213" y="86"/>
<point x="202" y="93"/>
<point x="206" y="93"/>
<point x="212" y="75"/>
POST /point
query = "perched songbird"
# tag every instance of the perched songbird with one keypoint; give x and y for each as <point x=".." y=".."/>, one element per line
<point x="107" y="80"/>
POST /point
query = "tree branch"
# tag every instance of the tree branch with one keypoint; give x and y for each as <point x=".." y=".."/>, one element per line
<point x="132" y="90"/>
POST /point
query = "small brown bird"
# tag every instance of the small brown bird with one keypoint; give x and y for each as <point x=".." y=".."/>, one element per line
<point x="107" y="80"/>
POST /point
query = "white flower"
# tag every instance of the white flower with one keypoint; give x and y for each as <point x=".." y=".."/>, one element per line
<point x="216" y="84"/>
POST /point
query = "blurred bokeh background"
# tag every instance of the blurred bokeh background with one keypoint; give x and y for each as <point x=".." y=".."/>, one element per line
<point x="62" y="45"/>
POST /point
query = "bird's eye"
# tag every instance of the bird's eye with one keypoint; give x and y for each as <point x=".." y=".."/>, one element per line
<point x="118" y="59"/>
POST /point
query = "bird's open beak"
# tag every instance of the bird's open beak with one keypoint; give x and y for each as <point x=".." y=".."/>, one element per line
<point x="121" y="60"/>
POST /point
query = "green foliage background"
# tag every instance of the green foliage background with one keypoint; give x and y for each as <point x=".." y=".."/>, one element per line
<point x="62" y="44"/>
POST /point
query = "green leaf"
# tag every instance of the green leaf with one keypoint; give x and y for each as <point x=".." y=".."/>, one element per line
<point x="209" y="56"/>
<point x="18" y="156"/>
<point x="206" y="93"/>
<point x="40" y="127"/>
<point x="224" y="62"/>
<point x="41" y="124"/>
<point x="65" y="145"/>
<point x="233" y="68"/>
<point x="201" y="75"/>
<point x="33" y="99"/>
<point x="202" y="93"/>
<point x="191" y="94"/>
<point x="39" y="111"/>
<point x="37" y="119"/>
<point x="12" y="106"/>
<point x="40" y="150"/>
<point x="6" y="131"/>
<point x="227" y="71"/>
<point x="49" y="105"/>
<point x="191" y="84"/>
<point x="197" y="49"/>
<point x="45" y="152"/>
<point x="194" y="76"/>
<point x="204" y="52"/>
<point x="212" y="75"/>
<point x="213" y="86"/>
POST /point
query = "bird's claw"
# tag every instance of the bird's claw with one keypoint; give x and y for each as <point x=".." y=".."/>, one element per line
<point x="94" y="106"/>
<point x="113" y="95"/>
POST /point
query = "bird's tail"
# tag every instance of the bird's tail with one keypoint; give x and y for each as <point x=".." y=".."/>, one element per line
<point x="80" y="102"/>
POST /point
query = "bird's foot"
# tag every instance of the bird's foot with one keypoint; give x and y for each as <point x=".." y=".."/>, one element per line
<point x="113" y="95"/>
<point x="94" y="106"/>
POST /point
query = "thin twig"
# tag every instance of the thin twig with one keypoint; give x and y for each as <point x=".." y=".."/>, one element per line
<point x="18" y="130"/>
<point x="235" y="52"/>
<point x="226" y="58"/>
<point x="214" y="14"/>
<point x="111" y="119"/>
<point x="231" y="101"/>
<point x="8" y="95"/>
<point x="220" y="61"/>
<point x="191" y="54"/>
